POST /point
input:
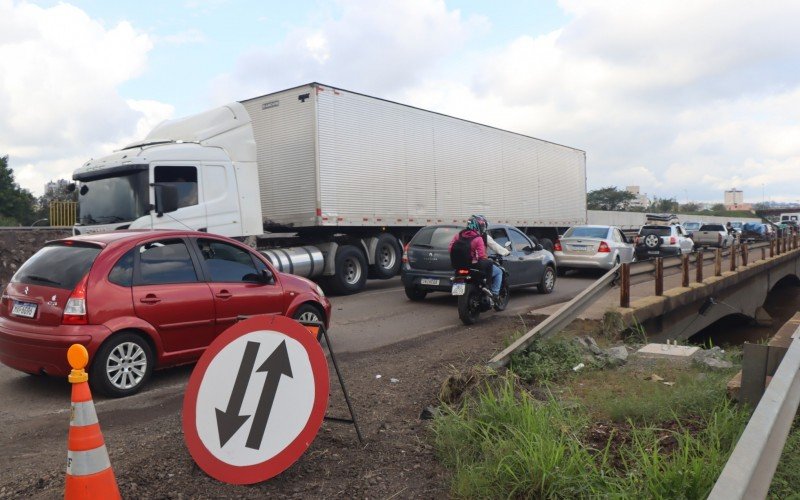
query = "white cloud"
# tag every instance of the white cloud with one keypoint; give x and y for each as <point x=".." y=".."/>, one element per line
<point x="377" y="47"/>
<point x="59" y="74"/>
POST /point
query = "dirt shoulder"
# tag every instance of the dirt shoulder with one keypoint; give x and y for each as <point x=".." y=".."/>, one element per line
<point x="151" y="461"/>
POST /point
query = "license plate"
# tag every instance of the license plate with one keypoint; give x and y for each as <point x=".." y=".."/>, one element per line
<point x="459" y="288"/>
<point x="653" y="252"/>
<point x="24" y="309"/>
<point x="429" y="281"/>
<point x="579" y="248"/>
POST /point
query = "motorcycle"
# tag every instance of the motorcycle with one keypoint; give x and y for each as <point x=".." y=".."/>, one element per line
<point x="474" y="292"/>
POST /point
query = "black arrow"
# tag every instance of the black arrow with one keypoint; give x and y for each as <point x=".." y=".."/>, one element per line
<point x="229" y="421"/>
<point x="276" y="365"/>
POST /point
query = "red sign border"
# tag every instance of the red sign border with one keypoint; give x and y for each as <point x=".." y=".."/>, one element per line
<point x="270" y="468"/>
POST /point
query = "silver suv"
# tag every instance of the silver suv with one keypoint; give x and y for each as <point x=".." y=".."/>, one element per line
<point x="657" y="240"/>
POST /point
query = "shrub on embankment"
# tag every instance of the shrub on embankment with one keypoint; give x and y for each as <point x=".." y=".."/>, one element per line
<point x="503" y="442"/>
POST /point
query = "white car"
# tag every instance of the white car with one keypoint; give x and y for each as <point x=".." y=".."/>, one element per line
<point x="592" y="247"/>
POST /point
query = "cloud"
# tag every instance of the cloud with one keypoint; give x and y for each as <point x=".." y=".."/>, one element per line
<point x="191" y="36"/>
<point x="59" y="74"/>
<point x="376" y="47"/>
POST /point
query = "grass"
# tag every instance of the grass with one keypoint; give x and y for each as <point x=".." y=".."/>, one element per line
<point x="615" y="433"/>
<point x="786" y="482"/>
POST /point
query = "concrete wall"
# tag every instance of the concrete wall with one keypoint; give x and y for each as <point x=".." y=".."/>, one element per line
<point x="635" y="220"/>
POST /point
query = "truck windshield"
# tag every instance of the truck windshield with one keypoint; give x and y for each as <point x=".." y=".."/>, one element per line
<point x="114" y="199"/>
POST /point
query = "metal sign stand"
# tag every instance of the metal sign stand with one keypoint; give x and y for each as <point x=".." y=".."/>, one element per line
<point x="321" y="332"/>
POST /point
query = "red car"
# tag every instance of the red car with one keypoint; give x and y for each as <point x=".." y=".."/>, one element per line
<point x="140" y="300"/>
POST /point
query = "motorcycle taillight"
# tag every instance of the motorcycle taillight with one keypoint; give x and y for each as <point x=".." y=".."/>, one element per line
<point x="463" y="272"/>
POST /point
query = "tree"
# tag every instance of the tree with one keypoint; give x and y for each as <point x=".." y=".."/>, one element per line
<point x="16" y="204"/>
<point x="689" y="207"/>
<point x="54" y="191"/>
<point x="664" y="205"/>
<point x="718" y="207"/>
<point x="609" y="198"/>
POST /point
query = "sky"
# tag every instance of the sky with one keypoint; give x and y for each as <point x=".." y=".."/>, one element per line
<point x="684" y="99"/>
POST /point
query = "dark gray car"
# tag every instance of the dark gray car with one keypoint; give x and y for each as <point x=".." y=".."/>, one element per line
<point x="426" y="263"/>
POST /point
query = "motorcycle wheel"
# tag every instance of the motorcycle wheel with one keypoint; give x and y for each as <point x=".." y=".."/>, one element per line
<point x="505" y="296"/>
<point x="469" y="305"/>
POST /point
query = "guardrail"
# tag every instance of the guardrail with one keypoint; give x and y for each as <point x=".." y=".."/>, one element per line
<point x="750" y="468"/>
<point x="560" y="319"/>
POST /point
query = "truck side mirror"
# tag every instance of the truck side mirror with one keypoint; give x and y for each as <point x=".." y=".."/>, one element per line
<point x="166" y="199"/>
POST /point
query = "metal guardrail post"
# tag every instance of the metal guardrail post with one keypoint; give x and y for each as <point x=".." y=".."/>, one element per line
<point x="745" y="256"/>
<point x="772" y="248"/>
<point x="763" y="253"/>
<point x="685" y="270"/>
<point x="734" y="250"/>
<point x="659" y="277"/>
<point x="699" y="267"/>
<point x="750" y="468"/>
<point x="625" y="286"/>
<point x="718" y="262"/>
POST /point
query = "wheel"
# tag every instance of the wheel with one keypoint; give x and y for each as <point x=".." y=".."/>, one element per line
<point x="469" y="305"/>
<point x="415" y="294"/>
<point x="122" y="365"/>
<point x="309" y="313"/>
<point x="351" y="271"/>
<point x="505" y="296"/>
<point x="547" y="243"/>
<point x="652" y="241"/>
<point x="387" y="258"/>
<point x="548" y="280"/>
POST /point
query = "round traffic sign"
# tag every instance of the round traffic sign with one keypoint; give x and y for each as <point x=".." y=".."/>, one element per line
<point x="255" y="400"/>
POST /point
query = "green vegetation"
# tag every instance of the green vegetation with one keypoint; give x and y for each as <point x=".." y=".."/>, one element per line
<point x="622" y="433"/>
<point x="786" y="483"/>
<point x="16" y="204"/>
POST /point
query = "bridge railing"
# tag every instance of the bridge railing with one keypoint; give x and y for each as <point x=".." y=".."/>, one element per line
<point x="751" y="467"/>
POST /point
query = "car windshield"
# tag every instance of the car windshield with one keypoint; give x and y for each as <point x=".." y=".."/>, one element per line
<point x="712" y="227"/>
<point x="586" y="232"/>
<point x="657" y="230"/>
<point x="434" y="236"/>
<point x="691" y="226"/>
<point x="736" y="225"/>
<point x="113" y="199"/>
<point x="73" y="263"/>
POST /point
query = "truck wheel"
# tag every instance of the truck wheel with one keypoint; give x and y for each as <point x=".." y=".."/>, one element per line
<point x="351" y="271"/>
<point x="387" y="258"/>
<point x="547" y="243"/>
<point x="122" y="366"/>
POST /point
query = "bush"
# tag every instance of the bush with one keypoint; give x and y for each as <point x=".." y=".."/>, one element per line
<point x="547" y="360"/>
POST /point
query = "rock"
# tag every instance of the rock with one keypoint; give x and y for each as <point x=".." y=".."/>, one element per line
<point x="589" y="344"/>
<point x="428" y="413"/>
<point x="616" y="356"/>
<point x="713" y="363"/>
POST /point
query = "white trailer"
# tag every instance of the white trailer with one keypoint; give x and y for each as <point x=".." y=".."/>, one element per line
<point x="330" y="182"/>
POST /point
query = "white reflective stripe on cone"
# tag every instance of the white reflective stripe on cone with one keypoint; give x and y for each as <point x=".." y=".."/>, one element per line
<point x="83" y="414"/>
<point x="83" y="463"/>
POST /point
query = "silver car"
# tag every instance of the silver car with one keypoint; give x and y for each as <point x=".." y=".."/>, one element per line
<point x="592" y="247"/>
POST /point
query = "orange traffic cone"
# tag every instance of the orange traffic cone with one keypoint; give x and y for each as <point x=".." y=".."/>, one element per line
<point x="89" y="473"/>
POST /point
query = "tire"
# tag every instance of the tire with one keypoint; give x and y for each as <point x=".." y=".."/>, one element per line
<point x="351" y="271"/>
<point x="309" y="313"/>
<point x="547" y="243"/>
<point x="652" y="241"/>
<point x="548" y="282"/>
<point x="468" y="305"/>
<point x="388" y="257"/>
<point x="122" y="365"/>
<point x="505" y="296"/>
<point x="415" y="294"/>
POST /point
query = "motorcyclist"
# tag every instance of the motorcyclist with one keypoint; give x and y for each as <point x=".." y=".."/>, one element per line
<point x="479" y="239"/>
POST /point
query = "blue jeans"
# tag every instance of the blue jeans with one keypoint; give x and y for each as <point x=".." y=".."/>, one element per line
<point x="497" y="279"/>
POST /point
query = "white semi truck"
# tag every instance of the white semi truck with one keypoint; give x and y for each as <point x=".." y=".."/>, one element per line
<point x="330" y="183"/>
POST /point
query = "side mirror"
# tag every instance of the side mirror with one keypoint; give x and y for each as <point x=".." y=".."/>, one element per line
<point x="537" y="247"/>
<point x="166" y="199"/>
<point x="267" y="277"/>
<point x="507" y="244"/>
<point x="71" y="187"/>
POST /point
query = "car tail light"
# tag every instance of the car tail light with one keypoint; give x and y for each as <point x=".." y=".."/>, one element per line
<point x="557" y="246"/>
<point x="603" y="248"/>
<point x="75" y="310"/>
<point x="463" y="272"/>
<point x="405" y="253"/>
<point x="673" y="240"/>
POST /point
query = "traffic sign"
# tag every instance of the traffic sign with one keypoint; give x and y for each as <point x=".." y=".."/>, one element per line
<point x="255" y="400"/>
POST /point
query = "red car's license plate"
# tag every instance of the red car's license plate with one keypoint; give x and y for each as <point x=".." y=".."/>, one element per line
<point x="24" y="309"/>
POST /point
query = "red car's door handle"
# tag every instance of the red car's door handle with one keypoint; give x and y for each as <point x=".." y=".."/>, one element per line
<point x="150" y="299"/>
<point x="223" y="294"/>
